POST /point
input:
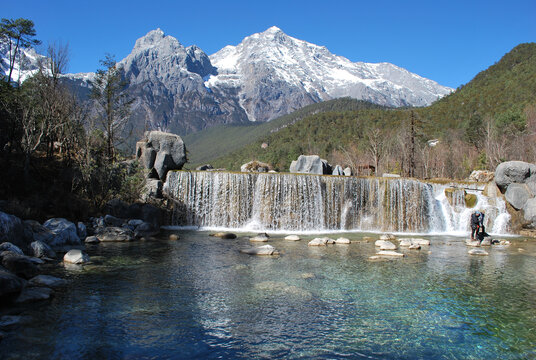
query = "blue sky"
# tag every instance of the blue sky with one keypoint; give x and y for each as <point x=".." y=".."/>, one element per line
<point x="446" y="41"/>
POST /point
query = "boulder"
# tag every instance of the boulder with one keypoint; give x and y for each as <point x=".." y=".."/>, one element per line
<point x="255" y="166"/>
<point x="310" y="164"/>
<point x="38" y="232"/>
<point x="7" y="246"/>
<point x="421" y="242"/>
<point x="32" y="294"/>
<point x="146" y="230"/>
<point x="153" y="189"/>
<point x="81" y="230"/>
<point x="76" y="256"/>
<point x="12" y="230"/>
<point x="405" y="243"/>
<point x="388" y="237"/>
<point x="480" y="252"/>
<point x="10" y="283"/>
<point x="482" y="176"/>
<point x="337" y="170"/>
<point x="414" y="247"/>
<point x="111" y="220"/>
<point x="347" y="171"/>
<point x="517" y="195"/>
<point x="92" y="240"/>
<point x="261" y="250"/>
<point x="114" y="233"/>
<point x="41" y="250"/>
<point x="162" y="152"/>
<point x="472" y="243"/>
<point x="529" y="212"/>
<point x="65" y="232"/>
<point x="47" y="280"/>
<point x="342" y="240"/>
<point x="20" y="265"/>
<point x="513" y="172"/>
<point x="385" y="245"/>
<point x="292" y="238"/>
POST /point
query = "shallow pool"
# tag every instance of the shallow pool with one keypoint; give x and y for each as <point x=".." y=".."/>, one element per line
<point x="198" y="297"/>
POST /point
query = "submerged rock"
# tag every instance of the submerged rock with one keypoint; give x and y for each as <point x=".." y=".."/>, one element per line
<point x="385" y="245"/>
<point x="47" y="280"/>
<point x="224" y="235"/>
<point x="261" y="250"/>
<point x="480" y="252"/>
<point x="281" y="287"/>
<point x="389" y="253"/>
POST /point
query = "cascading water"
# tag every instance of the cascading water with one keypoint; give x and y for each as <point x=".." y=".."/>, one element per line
<point x="291" y="202"/>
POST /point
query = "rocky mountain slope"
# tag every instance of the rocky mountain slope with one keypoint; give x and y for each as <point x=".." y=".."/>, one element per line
<point x="182" y="90"/>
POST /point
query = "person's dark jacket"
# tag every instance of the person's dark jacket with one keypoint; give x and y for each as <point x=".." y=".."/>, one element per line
<point x="477" y="220"/>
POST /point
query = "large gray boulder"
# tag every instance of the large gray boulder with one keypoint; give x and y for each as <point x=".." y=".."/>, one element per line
<point x="529" y="212"/>
<point x="513" y="172"/>
<point x="12" y="230"/>
<point x="310" y="164"/>
<point x="162" y="152"/>
<point x="38" y="232"/>
<point x="65" y="232"/>
<point x="41" y="250"/>
<point x="517" y="195"/>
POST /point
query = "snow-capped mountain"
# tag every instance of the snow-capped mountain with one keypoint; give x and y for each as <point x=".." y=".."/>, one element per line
<point x="275" y="74"/>
<point x="182" y="90"/>
<point x="26" y="65"/>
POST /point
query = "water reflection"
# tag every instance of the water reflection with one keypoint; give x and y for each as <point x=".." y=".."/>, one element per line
<point x="200" y="298"/>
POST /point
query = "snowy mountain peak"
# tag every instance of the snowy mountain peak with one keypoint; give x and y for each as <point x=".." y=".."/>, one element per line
<point x="156" y="38"/>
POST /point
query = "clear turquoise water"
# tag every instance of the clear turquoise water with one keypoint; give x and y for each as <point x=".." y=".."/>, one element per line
<point x="200" y="298"/>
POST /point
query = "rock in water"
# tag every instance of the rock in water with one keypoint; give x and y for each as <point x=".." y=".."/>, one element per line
<point x="261" y="250"/>
<point x="259" y="238"/>
<point x="41" y="250"/>
<point x="76" y="256"/>
<point x="224" y="235"/>
<point x="31" y="294"/>
<point x="387" y="237"/>
<point x="46" y="280"/>
<point x="65" y="232"/>
<point x="389" y="253"/>
<point x="480" y="252"/>
<point x="342" y="240"/>
<point x="292" y="238"/>
<point x="385" y="245"/>
<point x="10" y="283"/>
<point x="112" y="233"/>
<point x="318" y="242"/>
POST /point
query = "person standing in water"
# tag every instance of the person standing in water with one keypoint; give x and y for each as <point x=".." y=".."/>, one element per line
<point x="477" y="225"/>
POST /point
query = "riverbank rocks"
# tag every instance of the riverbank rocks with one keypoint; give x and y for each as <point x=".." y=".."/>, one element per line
<point x="20" y="265"/>
<point x="292" y="238"/>
<point x="65" y="232"/>
<point x="42" y="250"/>
<point x="517" y="195"/>
<point x="12" y="230"/>
<point x="224" y="235"/>
<point x="47" y="281"/>
<point x="385" y="245"/>
<point x="10" y="283"/>
<point x="510" y="172"/>
<point x="32" y="294"/>
<point x="113" y="233"/>
<point x="478" y="252"/>
<point x="161" y="152"/>
<point x="310" y="164"/>
<point x="76" y="256"/>
<point x="92" y="240"/>
<point x="255" y="166"/>
<point x="265" y="250"/>
<point x="37" y="232"/>
<point x="7" y="246"/>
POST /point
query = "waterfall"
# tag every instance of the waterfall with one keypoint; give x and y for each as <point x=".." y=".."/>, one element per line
<point x="291" y="202"/>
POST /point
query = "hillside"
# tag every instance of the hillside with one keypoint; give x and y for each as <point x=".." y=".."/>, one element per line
<point x="211" y="143"/>
<point x="509" y="86"/>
